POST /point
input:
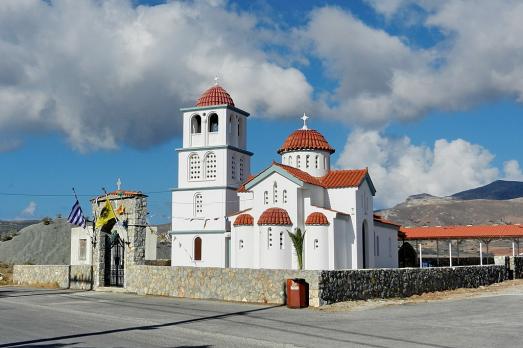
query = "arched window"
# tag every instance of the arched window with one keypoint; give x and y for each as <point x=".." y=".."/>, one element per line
<point x="230" y="125"/>
<point x="210" y="166"/>
<point x="196" y="124"/>
<point x="239" y="127"/>
<point x="316" y="244"/>
<point x="316" y="161"/>
<point x="197" y="249"/>
<point x="281" y="241"/>
<point x="269" y="238"/>
<point x="284" y="196"/>
<point x="266" y="198"/>
<point x="325" y="162"/>
<point x="242" y="176"/>
<point x="307" y="161"/>
<point x="213" y="123"/>
<point x="290" y="160"/>
<point x="298" y="161"/>
<point x="198" y="204"/>
<point x="233" y="167"/>
<point x="194" y="167"/>
<point x="275" y="192"/>
<point x="240" y="244"/>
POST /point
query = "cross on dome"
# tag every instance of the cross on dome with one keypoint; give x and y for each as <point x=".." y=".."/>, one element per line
<point x="216" y="78"/>
<point x="118" y="184"/>
<point x="305" y="118"/>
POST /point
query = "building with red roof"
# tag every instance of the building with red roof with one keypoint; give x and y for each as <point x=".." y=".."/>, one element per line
<point x="241" y="220"/>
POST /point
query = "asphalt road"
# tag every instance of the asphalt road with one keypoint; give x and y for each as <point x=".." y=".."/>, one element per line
<point x="58" y="318"/>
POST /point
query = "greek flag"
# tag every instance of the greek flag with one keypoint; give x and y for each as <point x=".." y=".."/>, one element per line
<point x="77" y="216"/>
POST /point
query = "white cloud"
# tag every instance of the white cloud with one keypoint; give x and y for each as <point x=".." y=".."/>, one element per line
<point x="399" y="168"/>
<point x="512" y="171"/>
<point x="28" y="211"/>
<point x="105" y="73"/>
<point x="384" y="77"/>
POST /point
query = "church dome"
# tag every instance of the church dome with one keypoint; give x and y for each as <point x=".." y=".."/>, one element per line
<point x="305" y="139"/>
<point x="215" y="95"/>
<point x="317" y="218"/>
<point x="275" y="216"/>
<point x="244" y="220"/>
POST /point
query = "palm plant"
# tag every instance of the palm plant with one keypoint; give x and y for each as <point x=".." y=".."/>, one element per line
<point x="297" y="239"/>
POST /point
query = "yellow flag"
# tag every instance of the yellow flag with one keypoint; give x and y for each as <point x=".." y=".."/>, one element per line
<point x="106" y="214"/>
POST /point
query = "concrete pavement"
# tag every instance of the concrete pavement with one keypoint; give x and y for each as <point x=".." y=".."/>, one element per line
<point x="63" y="318"/>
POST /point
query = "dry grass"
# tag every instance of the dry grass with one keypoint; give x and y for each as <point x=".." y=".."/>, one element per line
<point x="7" y="274"/>
<point x="427" y="297"/>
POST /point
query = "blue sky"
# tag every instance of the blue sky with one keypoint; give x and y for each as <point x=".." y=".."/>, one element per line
<point x="423" y="96"/>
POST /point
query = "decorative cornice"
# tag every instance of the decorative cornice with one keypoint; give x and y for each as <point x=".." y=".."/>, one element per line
<point x="218" y="147"/>
<point x="206" y="188"/>
<point x="223" y="106"/>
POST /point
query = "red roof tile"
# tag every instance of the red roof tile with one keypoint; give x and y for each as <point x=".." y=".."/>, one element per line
<point x="244" y="220"/>
<point x="334" y="179"/>
<point x="305" y="139"/>
<point x="215" y="95"/>
<point x="344" y="178"/>
<point x="316" y="218"/>
<point x="275" y="216"/>
<point x="120" y="193"/>
<point x="300" y="174"/>
<point x="463" y="232"/>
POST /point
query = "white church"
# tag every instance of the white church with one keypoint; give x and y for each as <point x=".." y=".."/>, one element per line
<point x="224" y="217"/>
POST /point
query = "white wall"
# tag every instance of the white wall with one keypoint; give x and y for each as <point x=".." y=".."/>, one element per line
<point x="151" y="238"/>
<point x="244" y="257"/>
<point x="387" y="252"/>
<point x="275" y="256"/>
<point x="290" y="159"/>
<point x="213" y="250"/>
<point x="317" y="254"/>
<point x="78" y="233"/>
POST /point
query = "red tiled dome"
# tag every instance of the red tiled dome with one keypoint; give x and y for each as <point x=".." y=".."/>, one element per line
<point x="215" y="95"/>
<point x="306" y="139"/>
<point x="317" y="218"/>
<point x="244" y="220"/>
<point x="275" y="216"/>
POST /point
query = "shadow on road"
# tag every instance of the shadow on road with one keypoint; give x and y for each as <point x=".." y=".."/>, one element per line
<point x="132" y="328"/>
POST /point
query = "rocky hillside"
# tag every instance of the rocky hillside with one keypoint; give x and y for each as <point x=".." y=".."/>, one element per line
<point x="39" y="244"/>
<point x="425" y="210"/>
<point x="43" y="244"/>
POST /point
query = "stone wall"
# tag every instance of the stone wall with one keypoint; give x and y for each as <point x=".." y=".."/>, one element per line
<point x="229" y="284"/>
<point x="268" y="286"/>
<point x="41" y="275"/>
<point x="81" y="277"/>
<point x="337" y="286"/>
<point x="59" y="276"/>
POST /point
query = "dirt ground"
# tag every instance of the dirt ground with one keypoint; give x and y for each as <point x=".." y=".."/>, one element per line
<point x="6" y="273"/>
<point x="427" y="297"/>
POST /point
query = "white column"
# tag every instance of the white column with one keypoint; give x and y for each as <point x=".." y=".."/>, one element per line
<point x="420" y="257"/>
<point x="481" y="253"/>
<point x="450" y="253"/>
<point x="513" y="249"/>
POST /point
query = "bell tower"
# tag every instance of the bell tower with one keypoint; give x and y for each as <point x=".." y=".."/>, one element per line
<point x="212" y="163"/>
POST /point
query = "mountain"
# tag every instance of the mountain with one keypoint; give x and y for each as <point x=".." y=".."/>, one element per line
<point x="12" y="227"/>
<point x="497" y="190"/>
<point x="41" y="243"/>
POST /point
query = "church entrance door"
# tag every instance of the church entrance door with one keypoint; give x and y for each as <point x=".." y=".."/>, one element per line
<point x="114" y="260"/>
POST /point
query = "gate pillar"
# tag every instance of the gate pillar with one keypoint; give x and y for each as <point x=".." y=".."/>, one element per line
<point x="130" y="208"/>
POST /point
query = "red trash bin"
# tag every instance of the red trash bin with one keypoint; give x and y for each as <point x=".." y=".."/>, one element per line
<point x="297" y="293"/>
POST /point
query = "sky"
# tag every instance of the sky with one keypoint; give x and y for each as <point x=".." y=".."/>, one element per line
<point x="426" y="94"/>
